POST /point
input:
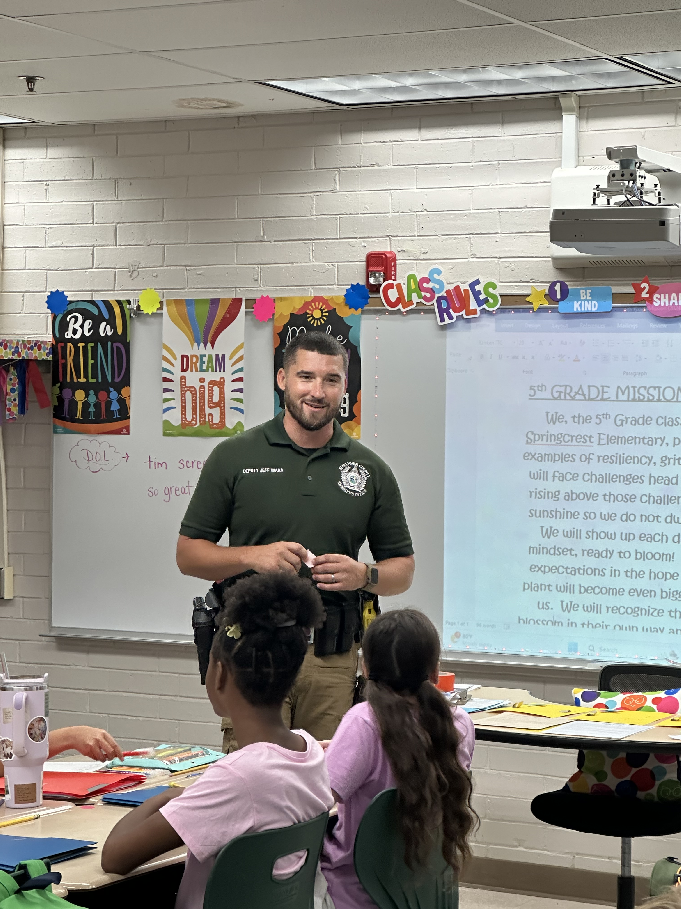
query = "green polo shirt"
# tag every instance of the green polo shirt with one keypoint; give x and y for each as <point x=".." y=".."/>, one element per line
<point x="263" y="488"/>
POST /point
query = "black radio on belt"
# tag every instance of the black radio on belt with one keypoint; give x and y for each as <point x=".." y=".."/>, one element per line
<point x="204" y="615"/>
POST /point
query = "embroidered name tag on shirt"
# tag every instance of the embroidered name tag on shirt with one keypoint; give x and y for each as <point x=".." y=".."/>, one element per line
<point x="263" y="470"/>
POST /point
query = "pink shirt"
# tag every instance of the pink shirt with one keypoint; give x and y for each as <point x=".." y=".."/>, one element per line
<point x="358" y="770"/>
<point x="259" y="787"/>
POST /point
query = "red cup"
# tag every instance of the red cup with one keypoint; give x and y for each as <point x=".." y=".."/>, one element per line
<point x="445" y="681"/>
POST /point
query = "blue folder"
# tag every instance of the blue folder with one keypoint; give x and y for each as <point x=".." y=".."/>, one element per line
<point x="15" y="849"/>
<point x="132" y="799"/>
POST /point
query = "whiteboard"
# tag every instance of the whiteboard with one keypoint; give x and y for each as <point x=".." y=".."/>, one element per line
<point x="113" y="551"/>
<point x="114" y="531"/>
<point x="562" y="498"/>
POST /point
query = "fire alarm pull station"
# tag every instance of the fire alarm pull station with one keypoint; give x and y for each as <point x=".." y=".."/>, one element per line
<point x="381" y="267"/>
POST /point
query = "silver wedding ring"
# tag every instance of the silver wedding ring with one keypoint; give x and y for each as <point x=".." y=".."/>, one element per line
<point x="333" y="578"/>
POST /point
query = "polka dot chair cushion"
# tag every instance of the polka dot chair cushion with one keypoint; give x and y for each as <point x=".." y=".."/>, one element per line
<point x="651" y="777"/>
<point x="668" y="701"/>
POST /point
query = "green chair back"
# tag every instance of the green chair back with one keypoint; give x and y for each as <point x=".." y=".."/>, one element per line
<point x="382" y="871"/>
<point x="242" y="875"/>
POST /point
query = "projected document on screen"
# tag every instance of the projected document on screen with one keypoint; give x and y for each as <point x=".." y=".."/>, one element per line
<point x="562" y="495"/>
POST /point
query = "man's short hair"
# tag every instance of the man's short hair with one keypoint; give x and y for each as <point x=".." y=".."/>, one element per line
<point x="317" y="341"/>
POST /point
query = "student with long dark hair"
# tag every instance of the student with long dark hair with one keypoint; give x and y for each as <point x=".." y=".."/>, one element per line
<point x="277" y="778"/>
<point x="406" y="735"/>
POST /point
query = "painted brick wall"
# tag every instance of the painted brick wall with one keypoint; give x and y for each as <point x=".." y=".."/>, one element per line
<point x="285" y="204"/>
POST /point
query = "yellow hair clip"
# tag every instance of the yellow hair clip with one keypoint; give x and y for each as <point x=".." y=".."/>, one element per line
<point x="233" y="631"/>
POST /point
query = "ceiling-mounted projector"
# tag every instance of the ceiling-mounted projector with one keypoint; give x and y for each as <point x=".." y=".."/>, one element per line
<point x="626" y="215"/>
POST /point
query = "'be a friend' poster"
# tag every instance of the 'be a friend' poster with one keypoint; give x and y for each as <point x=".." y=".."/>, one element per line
<point x="91" y="368"/>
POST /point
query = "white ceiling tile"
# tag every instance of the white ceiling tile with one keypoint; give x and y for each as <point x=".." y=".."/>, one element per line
<point x="232" y="23"/>
<point x="151" y="104"/>
<point x="389" y="54"/>
<point x="25" y="41"/>
<point x="113" y="71"/>
<point x="629" y="34"/>
<point x="546" y="10"/>
<point x="50" y="7"/>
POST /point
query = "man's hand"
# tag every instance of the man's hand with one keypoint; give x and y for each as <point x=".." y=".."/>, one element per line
<point x="338" y="572"/>
<point x="281" y="556"/>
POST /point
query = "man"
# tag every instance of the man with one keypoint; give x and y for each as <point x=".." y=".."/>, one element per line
<point x="297" y="494"/>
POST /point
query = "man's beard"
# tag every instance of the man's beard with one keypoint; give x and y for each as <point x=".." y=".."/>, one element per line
<point x="311" y="424"/>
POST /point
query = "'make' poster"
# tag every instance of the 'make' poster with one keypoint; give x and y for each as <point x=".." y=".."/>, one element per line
<point x="331" y="315"/>
<point x="202" y="367"/>
<point x="91" y="368"/>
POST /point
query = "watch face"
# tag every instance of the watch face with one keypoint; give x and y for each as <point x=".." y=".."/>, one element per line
<point x="373" y="575"/>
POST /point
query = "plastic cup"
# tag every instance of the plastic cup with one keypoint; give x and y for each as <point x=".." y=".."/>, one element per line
<point x="445" y="681"/>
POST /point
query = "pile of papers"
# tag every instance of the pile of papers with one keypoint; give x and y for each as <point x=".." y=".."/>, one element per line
<point x="583" y="728"/>
<point x="175" y="758"/>
<point x="475" y="705"/>
<point x="78" y="786"/>
<point x="564" y="719"/>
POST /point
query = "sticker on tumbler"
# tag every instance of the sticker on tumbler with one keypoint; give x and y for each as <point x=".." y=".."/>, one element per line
<point x="25" y="793"/>
<point x="6" y="749"/>
<point x="37" y="729"/>
<point x="6" y="714"/>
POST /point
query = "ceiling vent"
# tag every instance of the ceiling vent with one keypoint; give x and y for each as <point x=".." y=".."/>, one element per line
<point x="205" y="103"/>
<point x="618" y="263"/>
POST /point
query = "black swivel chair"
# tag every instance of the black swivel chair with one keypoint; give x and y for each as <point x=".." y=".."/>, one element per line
<point x="613" y="816"/>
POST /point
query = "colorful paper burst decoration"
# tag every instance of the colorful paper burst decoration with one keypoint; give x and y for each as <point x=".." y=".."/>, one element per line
<point x="263" y="308"/>
<point x="57" y="301"/>
<point x="149" y="300"/>
<point x="356" y="296"/>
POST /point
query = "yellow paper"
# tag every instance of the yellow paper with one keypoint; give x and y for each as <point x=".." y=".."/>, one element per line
<point x="632" y="717"/>
<point x="672" y="721"/>
<point x="548" y="710"/>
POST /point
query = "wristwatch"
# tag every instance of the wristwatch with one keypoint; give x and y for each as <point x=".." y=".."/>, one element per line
<point x="371" y="578"/>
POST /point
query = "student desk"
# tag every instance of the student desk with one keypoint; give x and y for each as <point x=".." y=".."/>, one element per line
<point x="84" y="875"/>
<point x="648" y="739"/>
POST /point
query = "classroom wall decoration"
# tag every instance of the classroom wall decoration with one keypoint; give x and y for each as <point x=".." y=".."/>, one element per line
<point x="202" y="367"/>
<point x="91" y="368"/>
<point x="295" y="315"/>
<point x="467" y="300"/>
<point x="15" y="379"/>
<point x="580" y="300"/>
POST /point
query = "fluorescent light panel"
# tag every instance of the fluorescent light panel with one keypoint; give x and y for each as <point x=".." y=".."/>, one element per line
<point x="473" y="82"/>
<point x="12" y="121"/>
<point x="666" y="62"/>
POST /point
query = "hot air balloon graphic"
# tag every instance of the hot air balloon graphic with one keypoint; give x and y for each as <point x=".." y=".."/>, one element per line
<point x="203" y="321"/>
<point x="202" y="367"/>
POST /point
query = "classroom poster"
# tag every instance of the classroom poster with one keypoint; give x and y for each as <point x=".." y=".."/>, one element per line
<point x="202" y="367"/>
<point x="91" y="368"/>
<point x="294" y="315"/>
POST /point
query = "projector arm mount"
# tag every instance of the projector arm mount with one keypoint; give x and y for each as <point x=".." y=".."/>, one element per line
<point x="632" y="181"/>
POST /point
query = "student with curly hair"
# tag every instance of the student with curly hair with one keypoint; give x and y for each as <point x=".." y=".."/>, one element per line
<point x="278" y="776"/>
<point x="406" y="735"/>
<point x="670" y="899"/>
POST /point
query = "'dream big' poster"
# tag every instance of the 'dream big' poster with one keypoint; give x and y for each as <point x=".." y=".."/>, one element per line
<point x="91" y="368"/>
<point x="202" y="367"/>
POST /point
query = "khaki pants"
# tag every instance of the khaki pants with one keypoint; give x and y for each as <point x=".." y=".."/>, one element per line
<point x="321" y="695"/>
